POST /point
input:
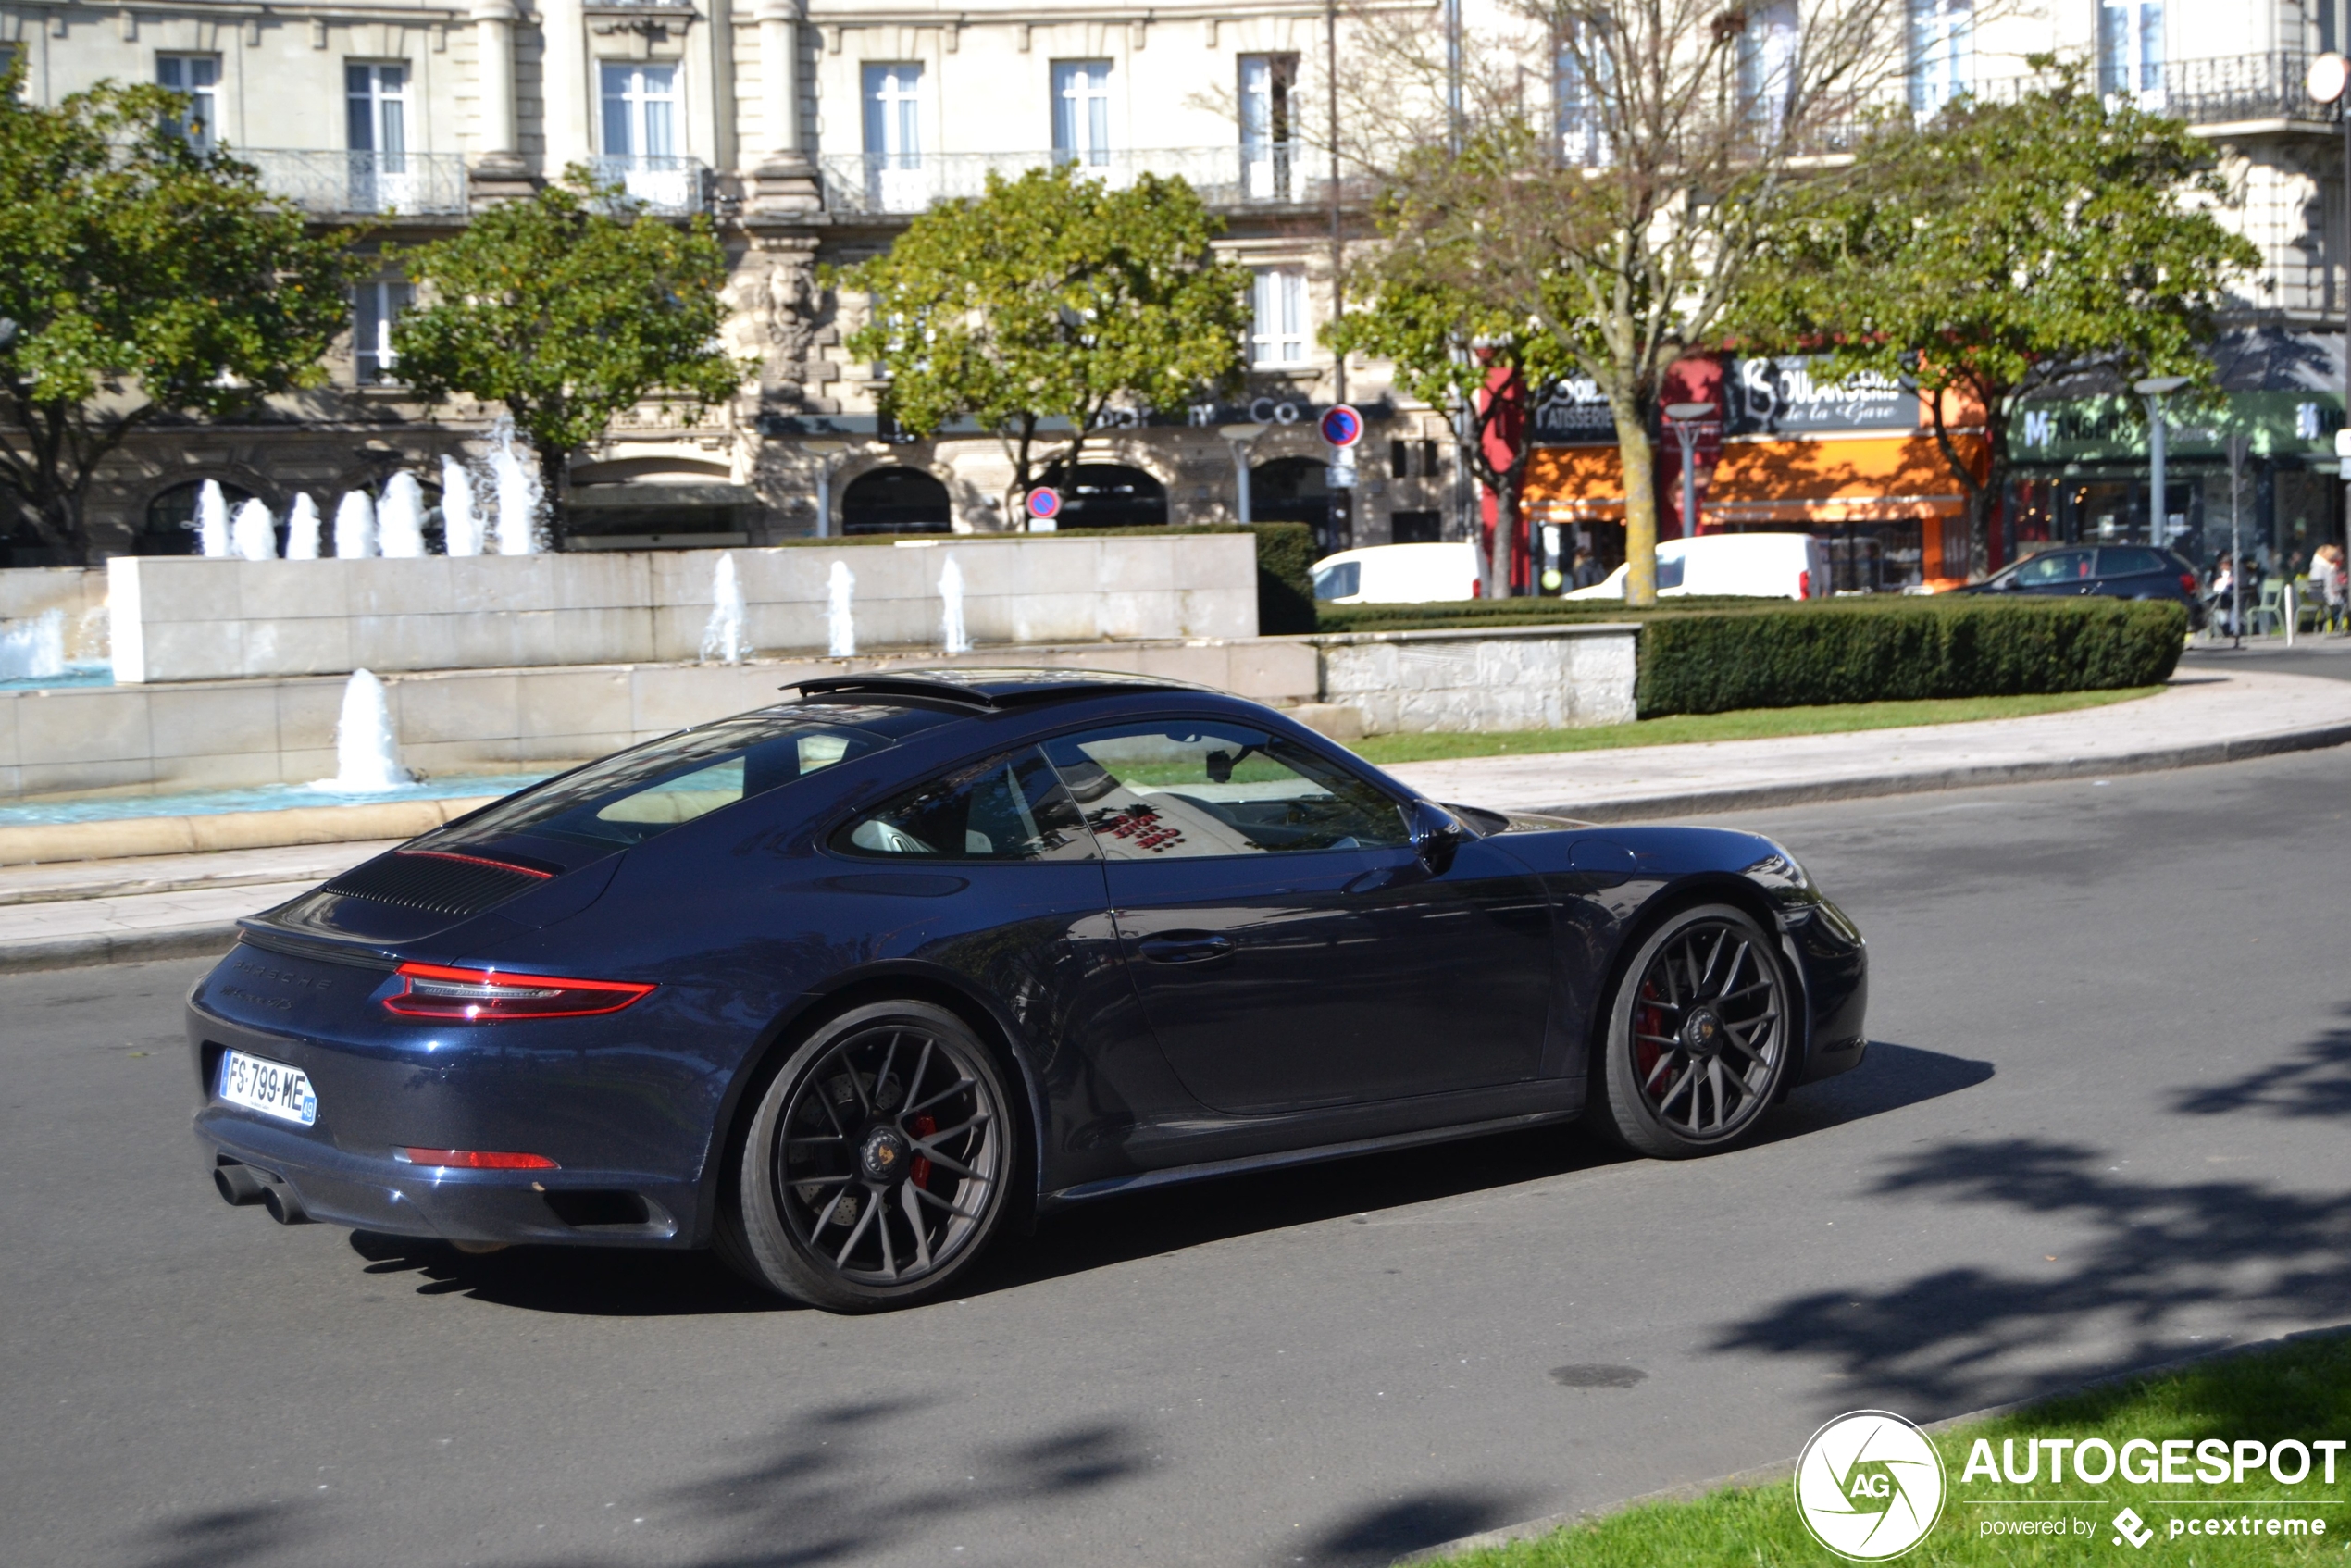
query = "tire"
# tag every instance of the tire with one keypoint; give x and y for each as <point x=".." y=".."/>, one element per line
<point x="848" y="1194"/>
<point x="1668" y="1085"/>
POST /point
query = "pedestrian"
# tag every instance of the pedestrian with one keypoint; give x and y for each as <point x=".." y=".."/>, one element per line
<point x="2221" y="596"/>
<point x="2328" y="583"/>
<point x="1584" y="572"/>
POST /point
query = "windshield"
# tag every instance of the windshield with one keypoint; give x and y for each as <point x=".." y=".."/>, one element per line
<point x="637" y="794"/>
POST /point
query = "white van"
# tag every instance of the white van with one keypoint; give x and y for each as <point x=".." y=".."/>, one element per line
<point x="1761" y="565"/>
<point x="1398" y="574"/>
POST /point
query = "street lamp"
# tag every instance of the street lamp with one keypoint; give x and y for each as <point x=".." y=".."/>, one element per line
<point x="2155" y="389"/>
<point x="826" y="451"/>
<point x="2238" y="443"/>
<point x="1684" y="417"/>
<point x="1242" y="437"/>
<point x="2328" y="77"/>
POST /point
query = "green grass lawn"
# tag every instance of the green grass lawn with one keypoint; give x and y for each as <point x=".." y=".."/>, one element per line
<point x="2300" y="1390"/>
<point x="1745" y="724"/>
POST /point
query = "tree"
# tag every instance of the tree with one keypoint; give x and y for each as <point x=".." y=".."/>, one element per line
<point x="1052" y="297"/>
<point x="1472" y="364"/>
<point x="2005" y="251"/>
<point x="566" y="308"/>
<point x="1620" y="212"/>
<point x="139" y="278"/>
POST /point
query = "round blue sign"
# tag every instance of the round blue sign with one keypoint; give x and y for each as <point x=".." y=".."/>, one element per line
<point x="1342" y="426"/>
<point x="1045" y="503"/>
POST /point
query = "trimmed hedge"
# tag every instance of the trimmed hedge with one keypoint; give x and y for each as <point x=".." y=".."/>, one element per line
<point x="1894" y="649"/>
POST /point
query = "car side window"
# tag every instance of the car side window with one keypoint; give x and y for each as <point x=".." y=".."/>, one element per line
<point x="1669" y="571"/>
<point x="1006" y="808"/>
<point x="1343" y="581"/>
<point x="2054" y="567"/>
<point x="1204" y="788"/>
<point x="2128" y="562"/>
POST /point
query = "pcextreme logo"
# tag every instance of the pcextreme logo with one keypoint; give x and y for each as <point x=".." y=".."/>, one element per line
<point x="1869" y="1486"/>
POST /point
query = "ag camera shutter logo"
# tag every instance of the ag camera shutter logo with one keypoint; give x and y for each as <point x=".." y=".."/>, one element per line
<point x="1869" y="1486"/>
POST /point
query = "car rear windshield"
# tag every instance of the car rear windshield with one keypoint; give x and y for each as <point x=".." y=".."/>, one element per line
<point x="640" y="794"/>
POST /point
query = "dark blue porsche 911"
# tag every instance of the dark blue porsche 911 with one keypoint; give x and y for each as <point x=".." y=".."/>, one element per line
<point x="844" y="987"/>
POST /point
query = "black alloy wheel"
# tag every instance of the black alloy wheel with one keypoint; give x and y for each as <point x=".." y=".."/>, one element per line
<point x="1699" y="1036"/>
<point x="877" y="1165"/>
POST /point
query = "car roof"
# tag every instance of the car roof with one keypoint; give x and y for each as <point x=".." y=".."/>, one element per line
<point x="989" y="689"/>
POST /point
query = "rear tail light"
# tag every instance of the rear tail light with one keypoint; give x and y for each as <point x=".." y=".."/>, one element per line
<point x="432" y="990"/>
<point x="1477" y="588"/>
<point x="2187" y="582"/>
<point x="476" y="1160"/>
<point x="1804" y="585"/>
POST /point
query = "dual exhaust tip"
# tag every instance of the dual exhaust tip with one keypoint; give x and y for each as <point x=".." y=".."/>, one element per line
<point x="239" y="1184"/>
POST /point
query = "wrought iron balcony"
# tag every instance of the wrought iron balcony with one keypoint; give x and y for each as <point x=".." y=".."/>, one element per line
<point x="338" y="183"/>
<point x="668" y="184"/>
<point x="2226" y="89"/>
<point x="1264" y="175"/>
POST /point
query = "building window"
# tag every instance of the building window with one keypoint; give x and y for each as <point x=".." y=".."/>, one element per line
<point x="376" y="307"/>
<point x="1582" y="113"/>
<point x="640" y="112"/>
<point x="198" y="76"/>
<point x="1278" y="333"/>
<point x="2131" y="49"/>
<point x="894" y="116"/>
<point x="1942" y="52"/>
<point x="1081" y="112"/>
<point x="1767" y="65"/>
<point x="1268" y="83"/>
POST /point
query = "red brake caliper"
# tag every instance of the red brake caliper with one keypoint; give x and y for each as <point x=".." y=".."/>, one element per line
<point x="922" y="1126"/>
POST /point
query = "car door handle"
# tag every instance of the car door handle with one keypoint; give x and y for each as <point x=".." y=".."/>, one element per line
<point x="1186" y="949"/>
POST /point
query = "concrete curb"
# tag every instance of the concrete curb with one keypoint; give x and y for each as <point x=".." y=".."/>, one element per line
<point x="1756" y="797"/>
<point x="134" y="837"/>
<point x="1783" y="1472"/>
<point x="118" y="947"/>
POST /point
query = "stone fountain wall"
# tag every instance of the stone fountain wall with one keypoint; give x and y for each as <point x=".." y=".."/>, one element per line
<point x="182" y="618"/>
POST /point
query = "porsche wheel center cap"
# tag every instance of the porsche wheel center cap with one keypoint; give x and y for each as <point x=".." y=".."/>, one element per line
<point x="1702" y="1032"/>
<point x="883" y="1154"/>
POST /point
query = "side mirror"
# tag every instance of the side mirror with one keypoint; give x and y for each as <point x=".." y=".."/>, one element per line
<point x="1437" y="834"/>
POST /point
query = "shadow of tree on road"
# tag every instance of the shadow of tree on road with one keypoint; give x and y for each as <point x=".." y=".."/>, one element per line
<point x="1946" y="1342"/>
<point x="1414" y="1522"/>
<point x="2315" y="1084"/>
<point x="226" y="1537"/>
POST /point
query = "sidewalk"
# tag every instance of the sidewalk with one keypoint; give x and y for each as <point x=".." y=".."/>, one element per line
<point x="69" y="913"/>
<point x="2202" y="716"/>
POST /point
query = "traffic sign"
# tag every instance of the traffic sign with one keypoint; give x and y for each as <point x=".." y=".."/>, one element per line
<point x="1341" y="425"/>
<point x="1338" y="476"/>
<point x="1044" y="505"/>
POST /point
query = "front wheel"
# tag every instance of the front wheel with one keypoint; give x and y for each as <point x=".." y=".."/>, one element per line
<point x="877" y="1164"/>
<point x="1699" y="1036"/>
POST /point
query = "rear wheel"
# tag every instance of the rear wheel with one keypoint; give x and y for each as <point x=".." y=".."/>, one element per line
<point x="1699" y="1036"/>
<point x="877" y="1164"/>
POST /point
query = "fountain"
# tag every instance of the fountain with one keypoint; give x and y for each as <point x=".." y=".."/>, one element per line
<point x="212" y="521"/>
<point x="35" y="647"/>
<point x="367" y="752"/>
<point x="722" y="639"/>
<point x="254" y="532"/>
<point x="460" y="528"/>
<point x="952" y="636"/>
<point x="354" y="526"/>
<point x="302" y="530"/>
<point x="517" y="483"/>
<point x="400" y="530"/>
<point x="841" y="623"/>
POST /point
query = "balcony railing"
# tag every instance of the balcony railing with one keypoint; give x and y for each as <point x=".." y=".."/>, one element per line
<point x="665" y="183"/>
<point x="331" y="182"/>
<point x="1266" y="175"/>
<point x="2227" y="90"/>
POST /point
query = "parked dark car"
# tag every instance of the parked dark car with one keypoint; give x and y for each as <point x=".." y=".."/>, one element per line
<point x="846" y="986"/>
<point x="2111" y="571"/>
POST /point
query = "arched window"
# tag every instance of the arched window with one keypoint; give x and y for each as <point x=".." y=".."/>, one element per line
<point x="169" y="528"/>
<point x="1110" y="496"/>
<point x="895" y="501"/>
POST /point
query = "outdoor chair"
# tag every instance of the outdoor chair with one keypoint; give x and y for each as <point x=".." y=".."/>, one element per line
<point x="2266" y="613"/>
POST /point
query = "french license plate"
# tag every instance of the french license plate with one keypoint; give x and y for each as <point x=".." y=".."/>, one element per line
<point x="271" y="1088"/>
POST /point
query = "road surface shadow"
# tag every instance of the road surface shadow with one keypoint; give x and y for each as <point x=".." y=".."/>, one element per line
<point x="616" y="1282"/>
<point x="2314" y="1083"/>
<point x="1412" y="1521"/>
<point x="1942" y="1343"/>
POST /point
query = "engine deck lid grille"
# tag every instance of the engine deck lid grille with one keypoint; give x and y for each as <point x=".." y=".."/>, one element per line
<point x="439" y="882"/>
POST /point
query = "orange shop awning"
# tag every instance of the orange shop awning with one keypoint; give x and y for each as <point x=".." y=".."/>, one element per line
<point x="1849" y="478"/>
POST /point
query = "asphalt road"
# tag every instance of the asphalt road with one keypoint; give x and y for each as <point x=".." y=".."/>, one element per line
<point x="2105" y="1128"/>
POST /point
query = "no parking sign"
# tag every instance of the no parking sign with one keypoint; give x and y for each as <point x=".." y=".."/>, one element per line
<point x="1341" y="425"/>
<point x="1044" y="507"/>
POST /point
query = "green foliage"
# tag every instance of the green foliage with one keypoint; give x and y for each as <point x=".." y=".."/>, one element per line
<point x="1051" y="299"/>
<point x="1895" y="649"/>
<point x="144" y="279"/>
<point x="567" y="308"/>
<point x="2007" y="251"/>
<point x="1285" y="578"/>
